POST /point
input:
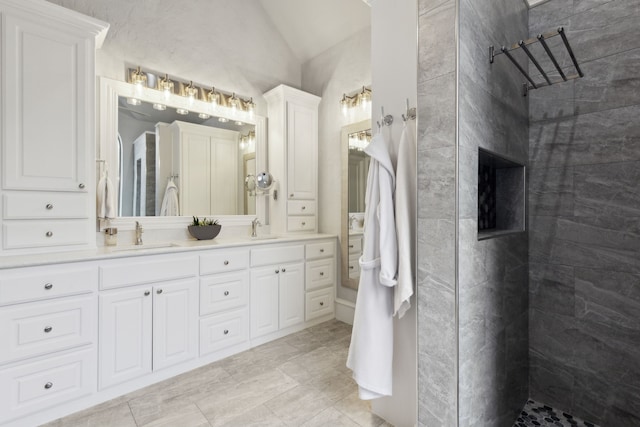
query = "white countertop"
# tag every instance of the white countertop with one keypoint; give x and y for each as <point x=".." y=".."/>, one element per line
<point x="152" y="248"/>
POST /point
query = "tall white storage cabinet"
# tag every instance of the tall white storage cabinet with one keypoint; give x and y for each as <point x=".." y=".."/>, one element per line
<point x="293" y="158"/>
<point x="48" y="126"/>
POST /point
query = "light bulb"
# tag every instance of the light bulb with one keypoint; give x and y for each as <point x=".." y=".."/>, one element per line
<point x="223" y="119"/>
<point x="159" y="107"/>
<point x="166" y="86"/>
<point x="239" y="123"/>
<point x="182" y="111"/>
<point x="243" y="143"/>
<point x="212" y="96"/>
<point x="204" y="116"/>
<point x="344" y="102"/>
<point x="133" y="101"/>
<point x="191" y="92"/>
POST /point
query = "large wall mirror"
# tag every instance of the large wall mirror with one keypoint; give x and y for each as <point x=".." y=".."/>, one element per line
<point x="207" y="151"/>
<point x="355" y="168"/>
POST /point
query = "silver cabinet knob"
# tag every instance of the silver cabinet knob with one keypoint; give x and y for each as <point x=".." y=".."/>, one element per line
<point x="226" y="331"/>
<point x="322" y="273"/>
<point x="321" y="303"/>
<point x="226" y="293"/>
<point x="277" y="271"/>
<point x="304" y="207"/>
<point x="321" y="250"/>
<point x="48" y="385"/>
<point x="159" y="291"/>
<point x="81" y="186"/>
<point x="350" y="246"/>
<point x="304" y="223"/>
<point x="49" y="206"/>
<point x="48" y="329"/>
<point x="291" y="195"/>
<point x="48" y="286"/>
<point x="147" y="293"/>
<point x="49" y="233"/>
<point x="351" y="267"/>
<point x="284" y="270"/>
<point x="226" y="263"/>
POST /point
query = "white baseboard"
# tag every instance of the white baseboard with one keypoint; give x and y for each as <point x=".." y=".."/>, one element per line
<point x="345" y="311"/>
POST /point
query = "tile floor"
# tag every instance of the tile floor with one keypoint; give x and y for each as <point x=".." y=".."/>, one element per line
<point x="298" y="380"/>
<point x="538" y="414"/>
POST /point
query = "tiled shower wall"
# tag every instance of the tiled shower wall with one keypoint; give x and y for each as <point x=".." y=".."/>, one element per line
<point x="492" y="274"/>
<point x="585" y="217"/>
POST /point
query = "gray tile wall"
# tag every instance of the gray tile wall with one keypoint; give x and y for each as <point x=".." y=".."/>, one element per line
<point x="437" y="329"/>
<point x="584" y="217"/>
<point x="492" y="274"/>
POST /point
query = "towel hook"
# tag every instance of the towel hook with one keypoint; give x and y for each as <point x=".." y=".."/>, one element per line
<point x="410" y="113"/>
<point x="385" y="120"/>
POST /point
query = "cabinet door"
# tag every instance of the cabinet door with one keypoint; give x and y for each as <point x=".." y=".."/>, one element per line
<point x="175" y="322"/>
<point x="48" y="106"/>
<point x="291" y="295"/>
<point x="301" y="152"/>
<point x="195" y="173"/>
<point x="264" y="301"/>
<point x="125" y="335"/>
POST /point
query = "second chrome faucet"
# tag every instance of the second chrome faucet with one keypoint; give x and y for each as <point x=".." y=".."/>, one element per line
<point x="139" y="231"/>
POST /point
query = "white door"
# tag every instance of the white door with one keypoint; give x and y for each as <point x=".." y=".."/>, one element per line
<point x="301" y="152"/>
<point x="125" y="335"/>
<point x="47" y="107"/>
<point x="264" y="301"/>
<point x="175" y="322"/>
<point x="291" y="295"/>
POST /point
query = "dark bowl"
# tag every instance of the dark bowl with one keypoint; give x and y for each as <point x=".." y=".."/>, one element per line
<point x="204" y="232"/>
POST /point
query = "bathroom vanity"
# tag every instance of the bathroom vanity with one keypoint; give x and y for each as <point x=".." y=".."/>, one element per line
<point x="79" y="328"/>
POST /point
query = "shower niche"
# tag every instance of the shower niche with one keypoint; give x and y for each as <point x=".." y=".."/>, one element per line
<point x="501" y="195"/>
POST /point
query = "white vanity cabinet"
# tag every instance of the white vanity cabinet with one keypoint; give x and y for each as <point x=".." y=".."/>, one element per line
<point x="277" y="289"/>
<point x="48" y="137"/>
<point x="148" y="316"/>
<point x="320" y="279"/>
<point x="293" y="158"/>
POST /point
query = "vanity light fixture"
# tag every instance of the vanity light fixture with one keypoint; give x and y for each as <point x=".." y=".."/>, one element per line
<point x="212" y="96"/>
<point x="133" y="101"/>
<point x="234" y="102"/>
<point x="223" y="119"/>
<point x="182" y="111"/>
<point x="159" y="107"/>
<point x="191" y="91"/>
<point x="166" y="86"/>
<point x="239" y="123"/>
<point x="138" y="78"/>
<point x="204" y="116"/>
<point x="251" y="106"/>
<point x="364" y="97"/>
<point x="361" y="99"/>
<point x="243" y="142"/>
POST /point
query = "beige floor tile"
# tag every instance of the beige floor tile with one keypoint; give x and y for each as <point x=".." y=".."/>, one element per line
<point x="298" y="405"/>
<point x="330" y="417"/>
<point x="334" y="387"/>
<point x="185" y="416"/>
<point x="106" y="416"/>
<point x="260" y="416"/>
<point x="358" y="410"/>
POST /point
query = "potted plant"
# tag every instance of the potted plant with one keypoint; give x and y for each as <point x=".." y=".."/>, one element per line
<point x="204" y="229"/>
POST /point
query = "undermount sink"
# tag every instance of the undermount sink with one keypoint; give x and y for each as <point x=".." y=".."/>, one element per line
<point x="134" y="248"/>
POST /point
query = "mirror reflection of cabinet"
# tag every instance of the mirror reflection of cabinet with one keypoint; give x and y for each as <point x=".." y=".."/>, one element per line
<point x="208" y="164"/>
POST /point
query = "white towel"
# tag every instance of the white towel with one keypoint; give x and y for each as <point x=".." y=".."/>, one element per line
<point x="406" y="193"/>
<point x="105" y="198"/>
<point x="170" y="206"/>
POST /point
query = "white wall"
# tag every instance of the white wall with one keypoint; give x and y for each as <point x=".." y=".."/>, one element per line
<point x="230" y="44"/>
<point x="394" y="73"/>
<point x="342" y="69"/>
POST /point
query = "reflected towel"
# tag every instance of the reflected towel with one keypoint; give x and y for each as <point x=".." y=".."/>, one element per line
<point x="170" y="206"/>
<point x="105" y="198"/>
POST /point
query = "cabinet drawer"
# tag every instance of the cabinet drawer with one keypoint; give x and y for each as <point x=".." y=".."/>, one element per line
<point x="318" y="303"/>
<point x="320" y="250"/>
<point x="44" y="233"/>
<point x="221" y="261"/>
<point x="270" y="255"/>
<point x="354" y="266"/>
<point x="19" y="285"/>
<point x="144" y="270"/>
<point x="38" y="328"/>
<point x="355" y="245"/>
<point x="20" y="205"/>
<point x="301" y="207"/>
<point x="223" y="291"/>
<point x="301" y="223"/>
<point x="320" y="273"/>
<point x="32" y="387"/>
<point x="223" y="330"/>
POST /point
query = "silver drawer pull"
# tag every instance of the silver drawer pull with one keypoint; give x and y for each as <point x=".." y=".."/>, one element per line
<point x="159" y="291"/>
<point x="48" y="286"/>
<point x="351" y="267"/>
<point x="49" y="233"/>
<point x="81" y="186"/>
<point x="226" y="263"/>
<point x="304" y="223"/>
<point x="284" y="271"/>
<point x="226" y="331"/>
<point x="48" y="385"/>
<point x="49" y="206"/>
<point x="277" y="271"/>
<point x="321" y="250"/>
<point x="321" y="303"/>
<point x="48" y="329"/>
<point x="350" y="246"/>
<point x="322" y="273"/>
<point x="291" y="195"/>
<point x="304" y="207"/>
<point x="226" y="293"/>
<point x="147" y="293"/>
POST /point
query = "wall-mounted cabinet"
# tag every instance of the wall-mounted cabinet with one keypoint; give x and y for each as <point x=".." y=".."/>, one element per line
<point x="293" y="158"/>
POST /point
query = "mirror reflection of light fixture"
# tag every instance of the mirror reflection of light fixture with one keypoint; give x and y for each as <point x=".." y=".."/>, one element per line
<point x="239" y="123"/>
<point x="223" y="119"/>
<point x="133" y="101"/>
<point x="182" y="111"/>
<point x="359" y="141"/>
<point x="243" y="142"/>
<point x="166" y="86"/>
<point x="138" y="78"/>
<point x="159" y="107"/>
<point x="361" y="99"/>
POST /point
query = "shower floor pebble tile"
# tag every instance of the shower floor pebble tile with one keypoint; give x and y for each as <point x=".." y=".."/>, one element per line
<point x="536" y="414"/>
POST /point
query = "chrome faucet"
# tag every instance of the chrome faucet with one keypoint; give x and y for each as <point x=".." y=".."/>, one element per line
<point x="139" y="231"/>
<point x="254" y="224"/>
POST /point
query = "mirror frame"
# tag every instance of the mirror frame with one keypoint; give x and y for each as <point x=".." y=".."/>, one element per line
<point x="110" y="90"/>
<point x="344" y="211"/>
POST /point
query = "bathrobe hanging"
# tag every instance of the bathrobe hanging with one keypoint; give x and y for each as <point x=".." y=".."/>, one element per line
<point x="105" y="197"/>
<point x="406" y="212"/>
<point x="170" y="206"/>
<point x="371" y="350"/>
